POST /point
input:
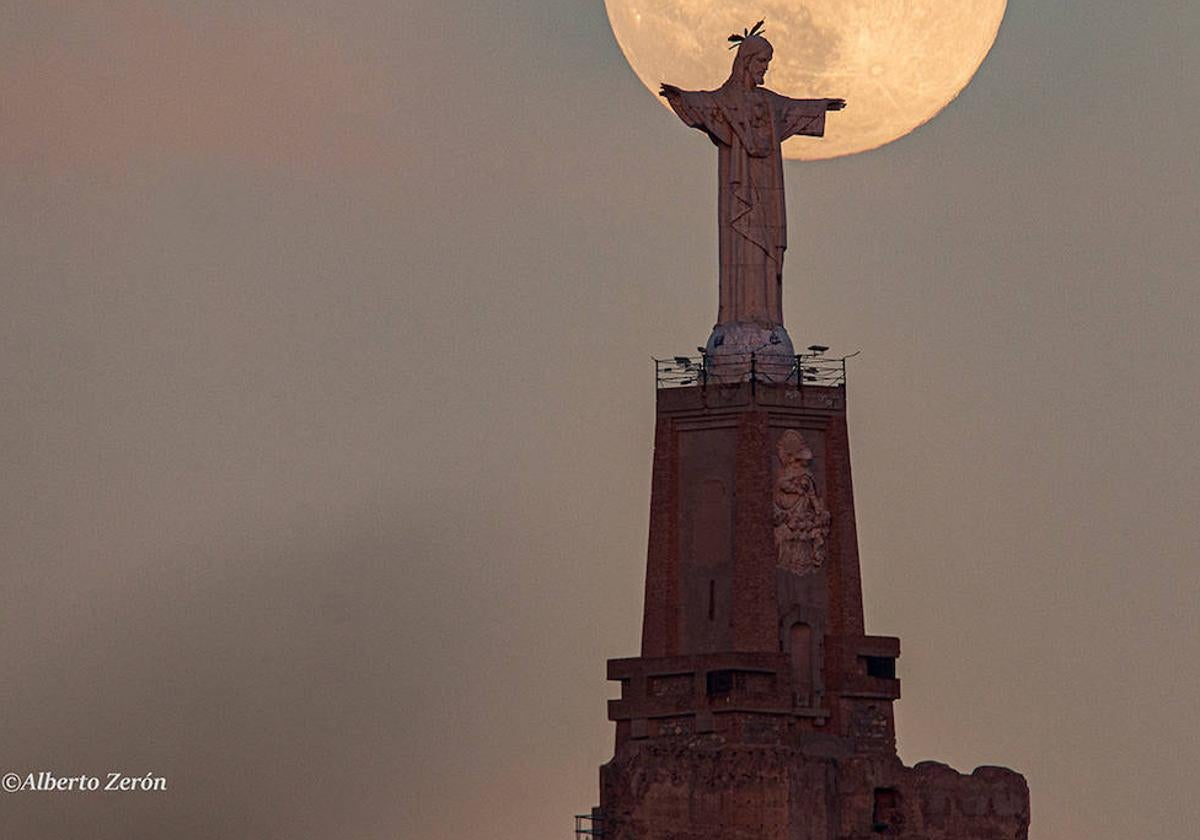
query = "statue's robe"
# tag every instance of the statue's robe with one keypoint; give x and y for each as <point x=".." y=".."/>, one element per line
<point x="748" y="127"/>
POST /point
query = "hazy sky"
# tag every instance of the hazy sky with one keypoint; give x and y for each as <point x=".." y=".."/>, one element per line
<point x="328" y="408"/>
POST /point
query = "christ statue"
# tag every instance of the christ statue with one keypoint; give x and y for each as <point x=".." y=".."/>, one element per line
<point x="747" y="122"/>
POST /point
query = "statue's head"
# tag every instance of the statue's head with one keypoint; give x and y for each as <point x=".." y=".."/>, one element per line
<point x="750" y="64"/>
<point x="793" y="449"/>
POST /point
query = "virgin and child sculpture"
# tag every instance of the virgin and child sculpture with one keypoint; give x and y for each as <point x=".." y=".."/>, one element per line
<point x="799" y="514"/>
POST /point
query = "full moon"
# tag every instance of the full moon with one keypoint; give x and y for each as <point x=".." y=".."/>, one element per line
<point x="896" y="62"/>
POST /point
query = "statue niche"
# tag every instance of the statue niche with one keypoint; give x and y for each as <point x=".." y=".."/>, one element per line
<point x="800" y="517"/>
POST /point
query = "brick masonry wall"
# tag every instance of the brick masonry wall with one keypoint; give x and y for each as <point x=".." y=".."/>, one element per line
<point x="701" y="789"/>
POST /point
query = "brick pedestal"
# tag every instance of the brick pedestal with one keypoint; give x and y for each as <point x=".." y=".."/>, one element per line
<point x="759" y="707"/>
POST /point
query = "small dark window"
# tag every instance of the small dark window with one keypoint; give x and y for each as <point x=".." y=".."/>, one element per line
<point x="719" y="682"/>
<point x="888" y="815"/>
<point x="883" y="667"/>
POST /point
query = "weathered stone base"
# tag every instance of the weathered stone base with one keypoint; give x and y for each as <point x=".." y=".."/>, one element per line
<point x="704" y="789"/>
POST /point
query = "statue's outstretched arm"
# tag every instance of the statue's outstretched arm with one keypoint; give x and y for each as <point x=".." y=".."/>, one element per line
<point x="804" y="116"/>
<point x="696" y="109"/>
<point x="814" y="106"/>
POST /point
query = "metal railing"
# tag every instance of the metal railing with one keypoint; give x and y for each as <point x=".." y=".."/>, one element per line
<point x="773" y="368"/>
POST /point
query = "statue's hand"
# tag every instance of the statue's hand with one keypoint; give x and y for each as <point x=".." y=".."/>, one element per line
<point x="669" y="90"/>
<point x="835" y="104"/>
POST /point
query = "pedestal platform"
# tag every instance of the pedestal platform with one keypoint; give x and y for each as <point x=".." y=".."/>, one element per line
<point x="759" y="708"/>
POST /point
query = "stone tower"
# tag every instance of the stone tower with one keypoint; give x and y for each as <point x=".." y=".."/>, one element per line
<point x="759" y="707"/>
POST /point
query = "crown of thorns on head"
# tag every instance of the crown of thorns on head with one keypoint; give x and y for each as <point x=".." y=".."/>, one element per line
<point x="752" y="32"/>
